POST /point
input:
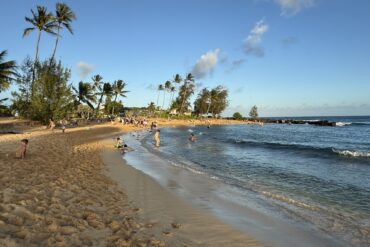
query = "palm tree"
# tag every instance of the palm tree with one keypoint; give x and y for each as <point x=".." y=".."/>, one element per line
<point x="160" y="88"/>
<point x="63" y="16"/>
<point x="177" y="79"/>
<point x="105" y="90"/>
<point x="7" y="71"/>
<point x="84" y="94"/>
<point x="118" y="90"/>
<point x="96" y="82"/>
<point x="188" y="79"/>
<point x="167" y="87"/>
<point x="151" y="108"/>
<point x="43" y="21"/>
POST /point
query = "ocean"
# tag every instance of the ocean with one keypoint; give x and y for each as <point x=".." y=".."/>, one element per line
<point x="313" y="181"/>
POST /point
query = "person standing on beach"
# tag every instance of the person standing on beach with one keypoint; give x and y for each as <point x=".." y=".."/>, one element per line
<point x="51" y="124"/>
<point x="23" y="148"/>
<point x="156" y="138"/>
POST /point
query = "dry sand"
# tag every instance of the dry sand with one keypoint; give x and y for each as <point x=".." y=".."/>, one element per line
<point x="61" y="195"/>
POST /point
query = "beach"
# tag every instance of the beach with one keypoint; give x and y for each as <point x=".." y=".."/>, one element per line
<point x="74" y="189"/>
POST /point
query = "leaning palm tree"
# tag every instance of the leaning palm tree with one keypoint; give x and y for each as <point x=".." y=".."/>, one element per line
<point x="7" y="71"/>
<point x="104" y="90"/>
<point x="42" y="20"/>
<point x="63" y="16"/>
<point x="160" y="88"/>
<point x="118" y="90"/>
<point x="167" y="87"/>
<point x="84" y="94"/>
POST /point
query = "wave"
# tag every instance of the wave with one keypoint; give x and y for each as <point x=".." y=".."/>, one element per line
<point x="294" y="146"/>
<point x="342" y="123"/>
<point x="351" y="153"/>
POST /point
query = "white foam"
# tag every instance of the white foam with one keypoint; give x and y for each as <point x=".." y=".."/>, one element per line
<point x="352" y="153"/>
<point x="342" y="123"/>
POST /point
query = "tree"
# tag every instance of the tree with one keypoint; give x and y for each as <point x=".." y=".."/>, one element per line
<point x="151" y="107"/>
<point x="160" y="88"/>
<point x="105" y="90"/>
<point x="43" y="21"/>
<point x="253" y="112"/>
<point x="167" y="87"/>
<point x="237" y="116"/>
<point x="52" y="97"/>
<point x="202" y="102"/>
<point x="172" y="91"/>
<point x="7" y="71"/>
<point x="118" y="90"/>
<point x="187" y="90"/>
<point x="84" y="94"/>
<point x="214" y="100"/>
<point x="219" y="100"/>
<point x="22" y="97"/>
<point x="97" y="81"/>
<point x="63" y="16"/>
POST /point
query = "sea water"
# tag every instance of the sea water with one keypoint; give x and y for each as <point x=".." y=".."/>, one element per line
<point x="300" y="175"/>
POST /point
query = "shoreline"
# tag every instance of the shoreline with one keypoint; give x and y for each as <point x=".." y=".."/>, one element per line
<point x="180" y="224"/>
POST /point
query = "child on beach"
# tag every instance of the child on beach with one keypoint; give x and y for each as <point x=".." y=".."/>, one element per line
<point x="156" y="138"/>
<point x="119" y="143"/>
<point x="22" y="148"/>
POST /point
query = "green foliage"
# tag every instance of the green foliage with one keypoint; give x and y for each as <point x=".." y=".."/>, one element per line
<point x="22" y="97"/>
<point x="151" y="107"/>
<point x="84" y="94"/>
<point x="103" y="90"/>
<point x="237" y="116"/>
<point x="7" y="71"/>
<point x="253" y="112"/>
<point x="203" y="102"/>
<point x="110" y="105"/>
<point x="211" y="101"/>
<point x="52" y="97"/>
<point x="118" y="90"/>
<point x="182" y="101"/>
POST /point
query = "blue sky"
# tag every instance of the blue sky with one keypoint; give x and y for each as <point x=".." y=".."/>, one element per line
<point x="288" y="57"/>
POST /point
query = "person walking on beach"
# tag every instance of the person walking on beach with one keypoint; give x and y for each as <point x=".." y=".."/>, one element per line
<point x="156" y="138"/>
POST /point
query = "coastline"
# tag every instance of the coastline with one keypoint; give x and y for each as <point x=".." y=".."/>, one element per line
<point x="61" y="195"/>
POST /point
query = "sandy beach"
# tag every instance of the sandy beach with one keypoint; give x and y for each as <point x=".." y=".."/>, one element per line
<point x="74" y="189"/>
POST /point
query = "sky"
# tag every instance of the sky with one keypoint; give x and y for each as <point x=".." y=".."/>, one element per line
<point x="288" y="57"/>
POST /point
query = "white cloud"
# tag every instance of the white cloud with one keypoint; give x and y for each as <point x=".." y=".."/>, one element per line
<point x="205" y="64"/>
<point x="292" y="7"/>
<point x="255" y="38"/>
<point x="84" y="69"/>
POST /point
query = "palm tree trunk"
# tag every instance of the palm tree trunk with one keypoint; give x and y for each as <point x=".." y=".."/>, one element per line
<point x="98" y="107"/>
<point x="164" y="98"/>
<point x="34" y="63"/>
<point x="56" y="44"/>
<point x="115" y="98"/>
<point x="183" y="99"/>
<point x="37" y="46"/>
<point x="158" y="97"/>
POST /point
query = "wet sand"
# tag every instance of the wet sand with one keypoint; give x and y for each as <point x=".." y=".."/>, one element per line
<point x="63" y="195"/>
